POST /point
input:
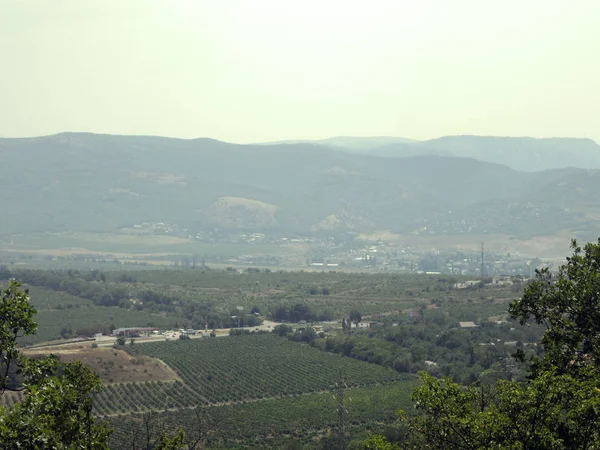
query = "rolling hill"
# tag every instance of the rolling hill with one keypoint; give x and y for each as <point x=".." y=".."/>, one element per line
<point x="89" y="182"/>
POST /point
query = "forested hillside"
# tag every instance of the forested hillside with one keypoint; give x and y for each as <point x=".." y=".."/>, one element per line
<point x="103" y="183"/>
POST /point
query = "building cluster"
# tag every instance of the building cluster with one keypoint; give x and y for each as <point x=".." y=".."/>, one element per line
<point x="347" y="252"/>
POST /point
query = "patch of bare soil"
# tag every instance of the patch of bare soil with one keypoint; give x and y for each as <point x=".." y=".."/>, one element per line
<point x="116" y="366"/>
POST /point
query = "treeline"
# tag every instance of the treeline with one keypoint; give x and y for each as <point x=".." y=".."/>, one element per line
<point x="90" y="285"/>
<point x="299" y="312"/>
<point x="484" y="353"/>
<point x="94" y="286"/>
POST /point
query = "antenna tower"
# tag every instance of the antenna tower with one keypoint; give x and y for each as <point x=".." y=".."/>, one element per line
<point x="482" y="263"/>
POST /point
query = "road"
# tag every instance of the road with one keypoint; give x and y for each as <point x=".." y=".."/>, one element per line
<point x="109" y="341"/>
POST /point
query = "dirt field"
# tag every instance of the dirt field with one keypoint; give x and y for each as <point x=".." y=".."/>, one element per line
<point x="115" y="366"/>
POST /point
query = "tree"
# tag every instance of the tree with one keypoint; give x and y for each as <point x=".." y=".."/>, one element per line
<point x="378" y="442"/>
<point x="152" y="432"/>
<point x="549" y="412"/>
<point x="355" y="317"/>
<point x="16" y="320"/>
<point x="301" y="311"/>
<point x="308" y="335"/>
<point x="558" y="407"/>
<point x="282" y="330"/>
<point x="56" y="412"/>
<point x="568" y="304"/>
<point x="165" y="442"/>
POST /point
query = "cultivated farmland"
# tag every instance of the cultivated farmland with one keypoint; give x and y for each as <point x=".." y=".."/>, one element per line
<point x="234" y="369"/>
<point x="267" y="423"/>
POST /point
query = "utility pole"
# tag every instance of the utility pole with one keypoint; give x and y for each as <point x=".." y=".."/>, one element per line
<point x="343" y="445"/>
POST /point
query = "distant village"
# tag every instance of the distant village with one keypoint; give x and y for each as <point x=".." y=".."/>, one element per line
<point x="343" y="252"/>
<point x="347" y="253"/>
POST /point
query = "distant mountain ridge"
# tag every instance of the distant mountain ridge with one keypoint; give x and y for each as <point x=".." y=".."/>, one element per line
<point x="349" y="143"/>
<point x="520" y="153"/>
<point x="91" y="182"/>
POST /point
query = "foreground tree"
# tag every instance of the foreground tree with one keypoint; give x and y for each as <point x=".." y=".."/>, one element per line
<point x="568" y="304"/>
<point x="559" y="406"/>
<point x="16" y="320"/>
<point x="377" y="442"/>
<point x="154" y="433"/>
<point x="550" y="412"/>
<point x="56" y="412"/>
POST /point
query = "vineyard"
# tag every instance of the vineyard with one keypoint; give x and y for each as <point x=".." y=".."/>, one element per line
<point x="47" y="299"/>
<point x="259" y="424"/>
<point x="236" y="369"/>
<point x="368" y="293"/>
<point x="70" y="301"/>
<point x="52" y="322"/>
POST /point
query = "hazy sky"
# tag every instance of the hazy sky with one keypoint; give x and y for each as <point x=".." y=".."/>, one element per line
<point x="257" y="70"/>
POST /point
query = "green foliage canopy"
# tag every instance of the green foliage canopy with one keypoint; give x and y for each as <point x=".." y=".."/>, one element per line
<point x="559" y="406"/>
<point x="57" y="410"/>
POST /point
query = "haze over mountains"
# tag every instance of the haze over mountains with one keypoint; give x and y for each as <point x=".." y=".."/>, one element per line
<point x="80" y="181"/>
<point x="520" y="153"/>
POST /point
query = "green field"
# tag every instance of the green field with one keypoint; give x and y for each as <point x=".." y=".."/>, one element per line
<point x="264" y="390"/>
<point x="268" y="423"/>
<point x="45" y="299"/>
<point x="58" y="310"/>
<point x="236" y="369"/>
<point x="74" y="299"/>
<point x="52" y="322"/>
<point x="368" y="293"/>
<point x="128" y="244"/>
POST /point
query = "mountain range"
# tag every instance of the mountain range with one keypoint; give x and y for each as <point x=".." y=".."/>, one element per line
<point x="92" y="182"/>
<point x="520" y="153"/>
